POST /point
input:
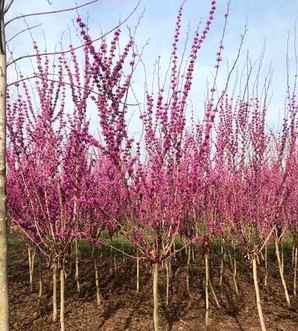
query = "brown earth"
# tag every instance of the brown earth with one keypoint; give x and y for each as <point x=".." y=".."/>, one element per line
<point x="124" y="309"/>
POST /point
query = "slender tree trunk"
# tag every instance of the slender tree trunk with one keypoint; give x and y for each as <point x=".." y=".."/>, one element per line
<point x="214" y="294"/>
<point x="188" y="271"/>
<point x="40" y="287"/>
<point x="98" y="300"/>
<point x="235" y="275"/>
<point x="54" y="292"/>
<point x="283" y="281"/>
<point x="257" y="291"/>
<point x="258" y="259"/>
<point x="155" y="297"/>
<point x="32" y="267"/>
<point x="62" y="325"/>
<point x="77" y="277"/>
<point x="29" y="266"/>
<point x="167" y="282"/>
<point x="31" y="261"/>
<point x="233" y="262"/>
<point x="266" y="266"/>
<point x="40" y="277"/>
<point x="295" y="271"/>
<point x="282" y="257"/>
<point x="222" y="257"/>
<point x="4" y="325"/>
<point x="138" y="273"/>
<point x="206" y="290"/>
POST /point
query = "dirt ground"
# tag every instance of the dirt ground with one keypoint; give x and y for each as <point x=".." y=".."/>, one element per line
<point x="124" y="309"/>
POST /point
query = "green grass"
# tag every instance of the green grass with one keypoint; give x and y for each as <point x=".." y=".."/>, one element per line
<point x="122" y="244"/>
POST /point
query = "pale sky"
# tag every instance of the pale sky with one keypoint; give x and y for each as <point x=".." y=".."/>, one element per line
<point x="268" y="21"/>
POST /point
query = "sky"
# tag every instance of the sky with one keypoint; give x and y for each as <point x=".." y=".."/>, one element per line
<point x="268" y="24"/>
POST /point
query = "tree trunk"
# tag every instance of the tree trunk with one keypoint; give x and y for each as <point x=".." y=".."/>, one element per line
<point x="266" y="266"/>
<point x="54" y="292"/>
<point x="167" y="281"/>
<point x="281" y="273"/>
<point x="40" y="276"/>
<point x="4" y="325"/>
<point x="258" y="298"/>
<point x="98" y="300"/>
<point x="295" y="271"/>
<point x="138" y="274"/>
<point x="222" y="257"/>
<point x="40" y="287"/>
<point x="77" y="266"/>
<point x="282" y="257"/>
<point x="31" y="261"/>
<point x="188" y="271"/>
<point x="206" y="291"/>
<point x="29" y="266"/>
<point x="155" y="298"/>
<point x="233" y="262"/>
<point x="214" y="294"/>
<point x="62" y="298"/>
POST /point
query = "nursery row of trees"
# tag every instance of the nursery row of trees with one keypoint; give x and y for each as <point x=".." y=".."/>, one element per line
<point x="225" y="178"/>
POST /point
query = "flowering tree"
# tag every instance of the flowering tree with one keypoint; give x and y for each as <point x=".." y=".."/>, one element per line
<point x="225" y="178"/>
<point x="5" y="6"/>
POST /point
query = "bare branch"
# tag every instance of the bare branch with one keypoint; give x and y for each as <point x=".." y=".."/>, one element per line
<point x="233" y="67"/>
<point x="51" y="12"/>
<point x="7" y="7"/>
<point x="80" y="46"/>
<point x="24" y="30"/>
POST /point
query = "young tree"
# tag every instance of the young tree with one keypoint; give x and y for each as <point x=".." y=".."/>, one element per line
<point x="5" y="6"/>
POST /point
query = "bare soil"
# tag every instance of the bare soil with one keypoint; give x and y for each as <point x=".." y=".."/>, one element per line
<point x="124" y="309"/>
